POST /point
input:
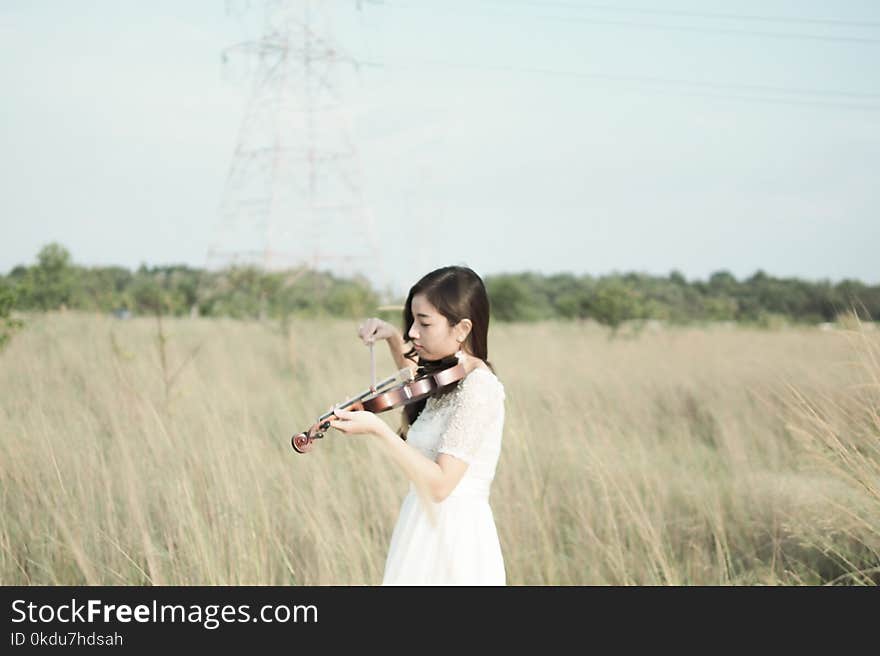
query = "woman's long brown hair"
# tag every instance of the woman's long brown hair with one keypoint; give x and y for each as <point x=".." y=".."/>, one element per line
<point x="458" y="293"/>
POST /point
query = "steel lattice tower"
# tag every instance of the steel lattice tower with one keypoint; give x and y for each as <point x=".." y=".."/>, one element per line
<point x="293" y="196"/>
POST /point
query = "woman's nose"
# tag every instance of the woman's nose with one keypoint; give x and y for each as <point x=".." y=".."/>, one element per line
<point x="413" y="332"/>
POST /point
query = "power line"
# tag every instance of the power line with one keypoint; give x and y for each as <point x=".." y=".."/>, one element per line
<point x="657" y="80"/>
<point x="655" y="26"/>
<point x="641" y="81"/>
<point x="693" y="14"/>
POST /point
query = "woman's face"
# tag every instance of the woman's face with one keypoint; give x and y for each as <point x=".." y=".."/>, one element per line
<point x="433" y="337"/>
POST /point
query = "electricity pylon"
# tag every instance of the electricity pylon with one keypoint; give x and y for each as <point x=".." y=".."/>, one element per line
<point x="293" y="197"/>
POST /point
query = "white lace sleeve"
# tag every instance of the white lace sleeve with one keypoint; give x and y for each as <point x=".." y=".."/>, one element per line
<point x="474" y="406"/>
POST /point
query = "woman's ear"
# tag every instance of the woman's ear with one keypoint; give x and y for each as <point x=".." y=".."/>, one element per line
<point x="463" y="329"/>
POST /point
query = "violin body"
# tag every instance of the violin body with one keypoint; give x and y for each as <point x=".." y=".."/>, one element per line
<point x="416" y="390"/>
<point x="385" y="396"/>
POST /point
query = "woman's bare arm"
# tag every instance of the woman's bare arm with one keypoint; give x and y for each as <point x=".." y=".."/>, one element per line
<point x="436" y="478"/>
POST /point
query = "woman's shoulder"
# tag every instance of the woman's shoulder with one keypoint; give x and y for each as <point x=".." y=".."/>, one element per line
<point x="482" y="380"/>
<point x="479" y="387"/>
<point x="480" y="370"/>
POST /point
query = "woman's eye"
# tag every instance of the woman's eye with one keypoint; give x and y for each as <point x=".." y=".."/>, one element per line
<point x="425" y="325"/>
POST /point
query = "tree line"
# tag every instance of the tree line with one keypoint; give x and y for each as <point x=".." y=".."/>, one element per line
<point x="54" y="282"/>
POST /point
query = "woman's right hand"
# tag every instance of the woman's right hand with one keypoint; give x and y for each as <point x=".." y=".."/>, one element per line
<point x="374" y="329"/>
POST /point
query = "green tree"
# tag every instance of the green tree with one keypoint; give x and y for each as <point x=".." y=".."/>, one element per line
<point x="147" y="296"/>
<point x="573" y="304"/>
<point x="50" y="284"/>
<point x="720" y="308"/>
<point x="615" y="302"/>
<point x="723" y="282"/>
<point x="8" y="324"/>
<point x="509" y="298"/>
<point x="348" y="299"/>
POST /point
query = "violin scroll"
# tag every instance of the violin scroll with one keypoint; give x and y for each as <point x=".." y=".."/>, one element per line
<point x="303" y="442"/>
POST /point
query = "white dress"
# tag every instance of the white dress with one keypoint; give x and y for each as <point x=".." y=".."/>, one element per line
<point x="453" y="542"/>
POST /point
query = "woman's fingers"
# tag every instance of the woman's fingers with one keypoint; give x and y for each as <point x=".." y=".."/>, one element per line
<point x="368" y="330"/>
<point x="340" y="424"/>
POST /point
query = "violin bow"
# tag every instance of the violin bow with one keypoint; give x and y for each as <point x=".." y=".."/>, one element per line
<point x="372" y="368"/>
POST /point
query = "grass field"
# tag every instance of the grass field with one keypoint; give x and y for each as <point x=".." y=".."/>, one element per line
<point x="131" y="454"/>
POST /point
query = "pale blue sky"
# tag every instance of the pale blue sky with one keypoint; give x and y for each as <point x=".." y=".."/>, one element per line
<point x="508" y="136"/>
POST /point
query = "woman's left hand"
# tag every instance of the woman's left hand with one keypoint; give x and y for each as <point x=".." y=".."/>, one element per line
<point x="357" y="422"/>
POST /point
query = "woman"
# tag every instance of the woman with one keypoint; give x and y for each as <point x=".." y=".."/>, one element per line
<point x="445" y="533"/>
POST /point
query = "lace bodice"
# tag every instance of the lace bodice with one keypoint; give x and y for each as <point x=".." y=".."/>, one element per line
<point x="466" y="423"/>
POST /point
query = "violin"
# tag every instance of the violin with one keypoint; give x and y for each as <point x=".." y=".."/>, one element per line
<point x="403" y="388"/>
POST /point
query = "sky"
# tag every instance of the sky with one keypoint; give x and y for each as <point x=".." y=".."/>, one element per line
<point x="508" y="136"/>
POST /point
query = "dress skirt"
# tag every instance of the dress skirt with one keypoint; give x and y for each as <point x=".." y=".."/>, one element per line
<point x="454" y="542"/>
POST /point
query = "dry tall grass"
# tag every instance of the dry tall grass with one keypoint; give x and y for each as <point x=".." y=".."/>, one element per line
<point x="687" y="456"/>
